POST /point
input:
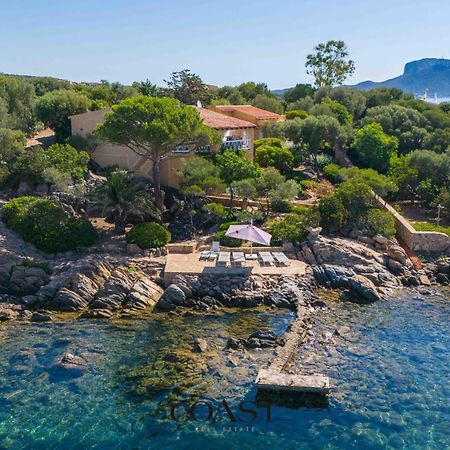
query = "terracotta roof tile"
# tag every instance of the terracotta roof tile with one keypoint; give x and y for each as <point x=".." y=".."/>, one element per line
<point x="257" y="113"/>
<point x="220" y="121"/>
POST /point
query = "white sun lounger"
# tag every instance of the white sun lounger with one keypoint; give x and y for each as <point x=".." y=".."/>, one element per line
<point x="212" y="253"/>
<point x="238" y="258"/>
<point x="266" y="258"/>
<point x="224" y="258"/>
<point x="281" y="258"/>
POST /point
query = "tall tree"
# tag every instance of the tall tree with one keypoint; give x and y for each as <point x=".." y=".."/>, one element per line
<point x="148" y="88"/>
<point x="152" y="128"/>
<point x="55" y="107"/>
<point x="329" y="64"/>
<point x="188" y="88"/>
<point x="233" y="167"/>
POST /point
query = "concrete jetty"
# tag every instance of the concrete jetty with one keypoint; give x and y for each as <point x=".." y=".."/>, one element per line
<point x="278" y="377"/>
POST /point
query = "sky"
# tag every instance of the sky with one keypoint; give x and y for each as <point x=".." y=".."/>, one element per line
<point x="225" y="42"/>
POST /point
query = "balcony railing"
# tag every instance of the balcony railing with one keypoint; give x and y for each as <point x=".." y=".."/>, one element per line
<point x="181" y="149"/>
<point x="234" y="144"/>
<point x="237" y="144"/>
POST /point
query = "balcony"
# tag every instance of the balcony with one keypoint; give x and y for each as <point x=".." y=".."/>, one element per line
<point x="237" y="144"/>
<point x="182" y="149"/>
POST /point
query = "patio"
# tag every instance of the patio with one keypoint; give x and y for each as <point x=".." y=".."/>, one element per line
<point x="191" y="264"/>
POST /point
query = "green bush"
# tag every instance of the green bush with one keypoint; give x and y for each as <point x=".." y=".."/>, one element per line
<point x="227" y="241"/>
<point x="380" y="222"/>
<point x="225" y="225"/>
<point x="272" y="156"/>
<point x="149" y="235"/>
<point x="333" y="215"/>
<point x="290" y="228"/>
<point x="281" y="206"/>
<point x="331" y="173"/>
<point x="296" y="114"/>
<point x="271" y="142"/>
<point x="45" y="224"/>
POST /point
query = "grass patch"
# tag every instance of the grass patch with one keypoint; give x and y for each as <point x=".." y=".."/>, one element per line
<point x="427" y="226"/>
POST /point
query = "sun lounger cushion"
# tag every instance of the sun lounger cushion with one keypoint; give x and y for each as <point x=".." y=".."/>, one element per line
<point x="266" y="258"/>
<point x="238" y="258"/>
<point x="224" y="258"/>
<point x="281" y="258"/>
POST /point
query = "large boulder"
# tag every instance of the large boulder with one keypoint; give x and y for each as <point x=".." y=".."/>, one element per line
<point x="363" y="288"/>
<point x="115" y="290"/>
<point x="66" y="300"/>
<point x="173" y="295"/>
<point x="27" y="280"/>
<point x="144" y="293"/>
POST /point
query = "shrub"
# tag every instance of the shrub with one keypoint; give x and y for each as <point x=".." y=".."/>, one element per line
<point x="271" y="141"/>
<point x="291" y="228"/>
<point x="380" y="222"/>
<point x="357" y="199"/>
<point x="296" y="114"/>
<point x="45" y="224"/>
<point x="149" y="235"/>
<point x="272" y="156"/>
<point x="331" y="173"/>
<point x="332" y="213"/>
<point x="321" y="160"/>
<point x="281" y="206"/>
<point x="227" y="241"/>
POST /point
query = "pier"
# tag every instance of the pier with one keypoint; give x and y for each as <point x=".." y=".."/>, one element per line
<point x="279" y="376"/>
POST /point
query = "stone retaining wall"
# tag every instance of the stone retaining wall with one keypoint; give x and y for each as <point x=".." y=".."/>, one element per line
<point x="419" y="241"/>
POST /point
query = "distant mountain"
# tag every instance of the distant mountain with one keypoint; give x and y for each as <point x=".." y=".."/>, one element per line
<point x="279" y="92"/>
<point x="430" y="74"/>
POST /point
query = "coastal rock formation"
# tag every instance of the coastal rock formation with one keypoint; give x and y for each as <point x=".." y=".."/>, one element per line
<point x="95" y="286"/>
<point x="213" y="291"/>
<point x="352" y="265"/>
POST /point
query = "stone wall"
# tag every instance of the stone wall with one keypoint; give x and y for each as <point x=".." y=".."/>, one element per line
<point x="419" y="241"/>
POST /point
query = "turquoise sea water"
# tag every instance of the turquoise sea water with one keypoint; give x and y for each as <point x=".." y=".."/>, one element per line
<point x="389" y="376"/>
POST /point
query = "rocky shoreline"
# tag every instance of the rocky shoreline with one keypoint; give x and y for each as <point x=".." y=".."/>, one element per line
<point x="122" y="285"/>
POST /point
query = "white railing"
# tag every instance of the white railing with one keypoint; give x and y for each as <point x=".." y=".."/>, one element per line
<point x="237" y="144"/>
<point x="180" y="149"/>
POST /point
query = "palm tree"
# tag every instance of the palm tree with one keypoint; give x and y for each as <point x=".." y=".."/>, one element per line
<point x="123" y="198"/>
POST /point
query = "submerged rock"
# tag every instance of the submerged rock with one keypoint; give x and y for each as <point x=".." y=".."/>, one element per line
<point x="200" y="345"/>
<point x="41" y="316"/>
<point x="73" y="363"/>
<point x="97" y="314"/>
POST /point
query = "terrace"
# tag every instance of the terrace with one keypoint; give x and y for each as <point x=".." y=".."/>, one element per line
<point x="192" y="264"/>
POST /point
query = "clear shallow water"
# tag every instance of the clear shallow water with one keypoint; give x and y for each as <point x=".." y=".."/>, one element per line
<point x="390" y="378"/>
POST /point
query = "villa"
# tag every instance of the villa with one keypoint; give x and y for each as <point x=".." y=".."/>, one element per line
<point x="251" y="114"/>
<point x="239" y="126"/>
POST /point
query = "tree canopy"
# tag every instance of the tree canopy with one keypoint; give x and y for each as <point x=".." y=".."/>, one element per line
<point x="329" y="64"/>
<point x="374" y="148"/>
<point x="152" y="127"/>
<point x="188" y="88"/>
<point x="55" y="107"/>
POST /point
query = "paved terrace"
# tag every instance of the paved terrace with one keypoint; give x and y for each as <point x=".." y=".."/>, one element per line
<point x="190" y="264"/>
